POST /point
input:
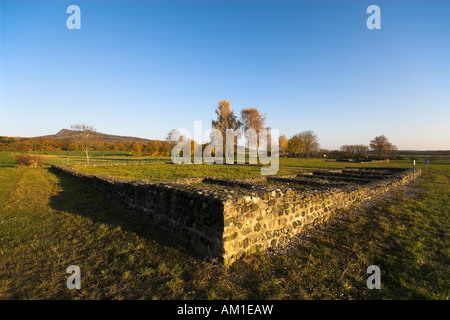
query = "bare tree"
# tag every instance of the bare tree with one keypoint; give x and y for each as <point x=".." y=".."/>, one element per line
<point x="393" y="152"/>
<point x="173" y="137"/>
<point x="310" y="142"/>
<point x="381" y="146"/>
<point x="354" y="150"/>
<point x="85" y="136"/>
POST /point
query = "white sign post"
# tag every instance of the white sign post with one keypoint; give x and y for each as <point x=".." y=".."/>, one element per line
<point x="414" y="170"/>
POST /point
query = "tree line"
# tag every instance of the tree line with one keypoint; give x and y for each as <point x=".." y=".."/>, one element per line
<point x="47" y="145"/>
<point x="301" y="145"/>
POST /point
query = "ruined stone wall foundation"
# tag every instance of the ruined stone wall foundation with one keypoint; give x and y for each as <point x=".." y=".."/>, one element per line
<point x="227" y="218"/>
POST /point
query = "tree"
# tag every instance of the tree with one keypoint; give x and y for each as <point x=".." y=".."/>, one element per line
<point x="310" y="142"/>
<point x="283" y="143"/>
<point x="119" y="147"/>
<point x="354" y="150"/>
<point x="173" y="137"/>
<point x="381" y="146"/>
<point x="135" y="149"/>
<point x="226" y="119"/>
<point x="252" y="119"/>
<point x="101" y="146"/>
<point x="153" y="148"/>
<point x="295" y="146"/>
<point x="46" y="147"/>
<point x="85" y="136"/>
<point x="165" y="149"/>
<point x="68" y="145"/>
<point x="393" y="152"/>
<point x="360" y="150"/>
<point x="194" y="146"/>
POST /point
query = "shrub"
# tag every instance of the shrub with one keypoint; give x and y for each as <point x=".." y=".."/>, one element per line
<point x="29" y="160"/>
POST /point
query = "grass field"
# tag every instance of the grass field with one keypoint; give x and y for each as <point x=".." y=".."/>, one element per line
<point x="97" y="158"/>
<point x="49" y="222"/>
<point x="166" y="171"/>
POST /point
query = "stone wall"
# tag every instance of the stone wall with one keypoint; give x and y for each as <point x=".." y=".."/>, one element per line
<point x="226" y="218"/>
<point x="183" y="211"/>
<point x="262" y="221"/>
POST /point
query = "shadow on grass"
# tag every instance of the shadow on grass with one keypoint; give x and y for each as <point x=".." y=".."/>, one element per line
<point x="79" y="199"/>
<point x="6" y="160"/>
<point x="7" y="165"/>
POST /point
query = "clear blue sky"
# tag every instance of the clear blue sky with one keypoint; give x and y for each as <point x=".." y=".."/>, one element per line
<point x="142" y="68"/>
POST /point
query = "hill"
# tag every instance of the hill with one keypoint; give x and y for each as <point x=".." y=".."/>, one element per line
<point x="66" y="134"/>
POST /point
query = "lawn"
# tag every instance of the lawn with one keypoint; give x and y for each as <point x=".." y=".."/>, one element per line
<point x="98" y="159"/>
<point x="49" y="222"/>
<point x="166" y="171"/>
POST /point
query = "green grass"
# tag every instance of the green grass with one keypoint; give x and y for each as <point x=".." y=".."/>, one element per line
<point x="49" y="222"/>
<point x="165" y="171"/>
<point x="95" y="157"/>
<point x="331" y="163"/>
<point x="99" y="159"/>
<point x="171" y="171"/>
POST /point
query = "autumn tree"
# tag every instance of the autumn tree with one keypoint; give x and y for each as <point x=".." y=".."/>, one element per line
<point x="46" y="146"/>
<point x="119" y="147"/>
<point x="226" y="119"/>
<point x="252" y="119"/>
<point x="85" y="136"/>
<point x="295" y="146"/>
<point x="68" y="145"/>
<point x="165" y="149"/>
<point x="381" y="146"/>
<point x="101" y="146"/>
<point x="194" y="146"/>
<point x="153" y="148"/>
<point x="283" y="143"/>
<point x="135" y="149"/>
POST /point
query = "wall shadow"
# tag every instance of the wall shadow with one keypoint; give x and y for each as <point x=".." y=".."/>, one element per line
<point x="7" y="165"/>
<point x="6" y="160"/>
<point x="81" y="200"/>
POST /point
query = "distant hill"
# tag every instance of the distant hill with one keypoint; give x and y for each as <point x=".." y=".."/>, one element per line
<point x="66" y="134"/>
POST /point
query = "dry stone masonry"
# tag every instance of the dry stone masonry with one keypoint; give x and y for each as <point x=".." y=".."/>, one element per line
<point x="227" y="218"/>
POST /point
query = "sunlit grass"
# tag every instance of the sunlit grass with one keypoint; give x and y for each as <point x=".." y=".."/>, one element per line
<point x="49" y="222"/>
<point x="167" y="171"/>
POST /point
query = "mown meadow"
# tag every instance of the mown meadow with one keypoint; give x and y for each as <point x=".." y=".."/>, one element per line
<point x="49" y="222"/>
